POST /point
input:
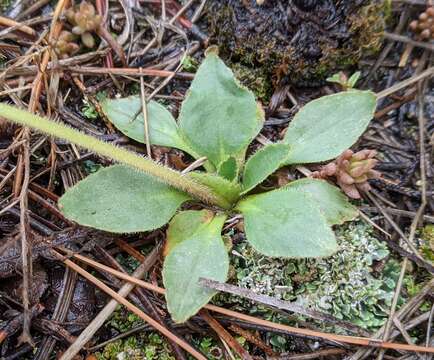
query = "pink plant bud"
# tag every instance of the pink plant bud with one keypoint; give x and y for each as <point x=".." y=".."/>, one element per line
<point x="352" y="171"/>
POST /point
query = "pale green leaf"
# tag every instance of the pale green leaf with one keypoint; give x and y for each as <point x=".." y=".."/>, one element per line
<point x="332" y="202"/>
<point x="325" y="127"/>
<point x="121" y="200"/>
<point x="263" y="163"/>
<point x="127" y="116"/>
<point x="353" y="79"/>
<point x="221" y="186"/>
<point x="287" y="223"/>
<point x="219" y="117"/>
<point x="195" y="249"/>
<point x="228" y="168"/>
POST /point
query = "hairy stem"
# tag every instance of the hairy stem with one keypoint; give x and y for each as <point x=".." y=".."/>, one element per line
<point x="161" y="173"/>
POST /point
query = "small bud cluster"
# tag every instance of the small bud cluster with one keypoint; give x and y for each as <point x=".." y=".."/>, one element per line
<point x="424" y="25"/>
<point x="66" y="45"/>
<point x="84" y="21"/>
<point x="352" y="171"/>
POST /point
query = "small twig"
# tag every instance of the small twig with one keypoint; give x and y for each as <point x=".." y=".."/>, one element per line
<point x="225" y="336"/>
<point x="389" y="322"/>
<point x="323" y="354"/>
<point x="127" y="71"/>
<point x="145" y="117"/>
<point x="105" y="34"/>
<point x="403" y="84"/>
<point x="194" y="165"/>
<point x="9" y="23"/>
<point x="280" y="304"/>
<point x="252" y="338"/>
<point x="407" y="40"/>
<point x="399" y="325"/>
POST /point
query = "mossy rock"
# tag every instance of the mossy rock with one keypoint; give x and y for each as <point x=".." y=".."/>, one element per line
<point x="300" y="43"/>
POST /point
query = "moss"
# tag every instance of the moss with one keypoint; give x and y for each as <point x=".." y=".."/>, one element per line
<point x="123" y="320"/>
<point x="427" y="239"/>
<point x="4" y="4"/>
<point x="151" y="346"/>
<point x="297" y="44"/>
<point x="254" y="79"/>
<point x="344" y="285"/>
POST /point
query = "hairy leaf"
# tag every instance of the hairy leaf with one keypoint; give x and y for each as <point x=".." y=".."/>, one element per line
<point x="325" y="127"/>
<point x="194" y="249"/>
<point x="332" y="202"/>
<point x="121" y="200"/>
<point x="127" y="116"/>
<point x="287" y="223"/>
<point x="219" y="117"/>
<point x="225" y="188"/>
<point x="263" y="163"/>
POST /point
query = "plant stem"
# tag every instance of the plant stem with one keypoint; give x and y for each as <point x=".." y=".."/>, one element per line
<point x="160" y="172"/>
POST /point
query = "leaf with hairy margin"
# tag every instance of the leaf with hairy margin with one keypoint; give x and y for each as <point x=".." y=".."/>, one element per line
<point x="287" y="223"/>
<point x="219" y="117"/>
<point x="327" y="126"/>
<point x="195" y="250"/>
<point x="332" y="202"/>
<point x="120" y="199"/>
<point x="126" y="114"/>
<point x="263" y="163"/>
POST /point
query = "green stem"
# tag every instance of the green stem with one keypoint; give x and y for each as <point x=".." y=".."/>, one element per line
<point x="162" y="173"/>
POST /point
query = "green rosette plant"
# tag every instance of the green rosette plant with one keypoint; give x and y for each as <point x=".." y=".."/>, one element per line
<point x="218" y="120"/>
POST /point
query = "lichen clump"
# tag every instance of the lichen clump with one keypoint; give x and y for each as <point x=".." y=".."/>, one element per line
<point x="344" y="285"/>
<point x="298" y="43"/>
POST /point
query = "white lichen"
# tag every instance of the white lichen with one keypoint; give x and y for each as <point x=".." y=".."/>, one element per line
<point x="344" y="285"/>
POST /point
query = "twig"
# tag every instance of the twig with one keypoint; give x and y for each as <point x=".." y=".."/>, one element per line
<point x="323" y="354"/>
<point x="280" y="304"/>
<point x="398" y="324"/>
<point x="26" y="257"/>
<point x="389" y="322"/>
<point x="407" y="40"/>
<point x="127" y="71"/>
<point x="403" y="84"/>
<point x="225" y="336"/>
<point x="4" y="21"/>
<point x="145" y="117"/>
<point x="252" y="338"/>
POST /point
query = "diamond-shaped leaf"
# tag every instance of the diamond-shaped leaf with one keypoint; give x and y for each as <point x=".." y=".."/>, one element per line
<point x="287" y="223"/>
<point x="127" y="116"/>
<point x="121" y="200"/>
<point x="219" y="117"/>
<point x="327" y="126"/>
<point x="263" y="163"/>
<point x="333" y="203"/>
<point x="194" y="250"/>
